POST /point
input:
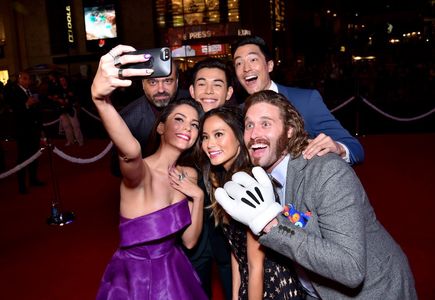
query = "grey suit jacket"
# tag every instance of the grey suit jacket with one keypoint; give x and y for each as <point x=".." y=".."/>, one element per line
<point x="345" y="251"/>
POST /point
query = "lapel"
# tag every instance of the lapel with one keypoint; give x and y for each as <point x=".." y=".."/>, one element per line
<point x="294" y="180"/>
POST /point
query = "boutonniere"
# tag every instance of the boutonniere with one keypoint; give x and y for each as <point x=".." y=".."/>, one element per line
<point x="296" y="217"/>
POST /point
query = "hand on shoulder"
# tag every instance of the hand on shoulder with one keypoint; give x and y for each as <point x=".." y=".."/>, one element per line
<point x="185" y="180"/>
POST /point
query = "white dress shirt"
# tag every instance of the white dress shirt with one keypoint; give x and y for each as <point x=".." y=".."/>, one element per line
<point x="279" y="173"/>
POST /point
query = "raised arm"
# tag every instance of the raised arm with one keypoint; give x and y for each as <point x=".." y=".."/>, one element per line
<point x="128" y="147"/>
<point x="107" y="79"/>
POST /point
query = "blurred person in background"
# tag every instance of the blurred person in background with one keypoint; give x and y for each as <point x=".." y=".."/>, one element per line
<point x="69" y="118"/>
<point x="26" y="110"/>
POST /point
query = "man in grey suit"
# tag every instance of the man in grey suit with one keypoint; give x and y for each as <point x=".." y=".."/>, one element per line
<point x="329" y="229"/>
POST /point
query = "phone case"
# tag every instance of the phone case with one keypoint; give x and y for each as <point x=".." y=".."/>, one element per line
<point x="160" y="62"/>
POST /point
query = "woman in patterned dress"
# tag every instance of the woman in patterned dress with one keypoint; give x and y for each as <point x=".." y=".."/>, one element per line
<point x="257" y="273"/>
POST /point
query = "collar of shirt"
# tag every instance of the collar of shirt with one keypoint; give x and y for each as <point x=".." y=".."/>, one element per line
<point x="273" y="87"/>
<point x="280" y="175"/>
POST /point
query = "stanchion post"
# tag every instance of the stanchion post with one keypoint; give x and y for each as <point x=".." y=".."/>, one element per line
<point x="57" y="217"/>
<point x="357" y="110"/>
<point x="357" y="116"/>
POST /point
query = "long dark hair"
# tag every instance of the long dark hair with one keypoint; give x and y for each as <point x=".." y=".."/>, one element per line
<point x="185" y="158"/>
<point x="216" y="176"/>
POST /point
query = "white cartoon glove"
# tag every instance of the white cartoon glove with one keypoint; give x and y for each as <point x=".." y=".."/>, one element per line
<point x="249" y="200"/>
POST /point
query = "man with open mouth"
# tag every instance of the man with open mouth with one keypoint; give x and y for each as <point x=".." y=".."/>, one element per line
<point x="253" y="62"/>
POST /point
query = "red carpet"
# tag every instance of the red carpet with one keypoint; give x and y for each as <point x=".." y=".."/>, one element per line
<point x="38" y="261"/>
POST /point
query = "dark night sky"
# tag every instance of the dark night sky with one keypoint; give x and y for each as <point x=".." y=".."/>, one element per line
<point x="368" y="7"/>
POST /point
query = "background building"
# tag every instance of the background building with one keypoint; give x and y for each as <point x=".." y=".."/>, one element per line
<point x="40" y="33"/>
<point x="381" y="50"/>
<point x="35" y="32"/>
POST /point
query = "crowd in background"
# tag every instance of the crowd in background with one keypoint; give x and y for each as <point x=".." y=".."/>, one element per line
<point x="390" y="84"/>
<point x="401" y="89"/>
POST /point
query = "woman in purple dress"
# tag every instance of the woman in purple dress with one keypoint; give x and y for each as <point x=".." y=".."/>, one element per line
<point x="161" y="202"/>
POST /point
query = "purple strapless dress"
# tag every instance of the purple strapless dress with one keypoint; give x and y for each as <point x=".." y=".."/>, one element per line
<point x="150" y="264"/>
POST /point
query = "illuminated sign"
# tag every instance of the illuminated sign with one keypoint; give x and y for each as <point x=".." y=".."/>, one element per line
<point x="198" y="50"/>
<point x="243" y="32"/>
<point x="69" y="26"/>
<point x="177" y="36"/>
<point x="199" y="34"/>
<point x="4" y="76"/>
<point x="209" y="33"/>
<point x="212" y="49"/>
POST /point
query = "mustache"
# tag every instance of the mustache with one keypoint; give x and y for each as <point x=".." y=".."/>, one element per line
<point x="161" y="94"/>
<point x="257" y="141"/>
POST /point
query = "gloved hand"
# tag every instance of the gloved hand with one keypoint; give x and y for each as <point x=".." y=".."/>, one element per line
<point x="250" y="201"/>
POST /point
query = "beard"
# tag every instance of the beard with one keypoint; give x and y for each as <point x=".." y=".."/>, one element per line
<point x="282" y="145"/>
<point x="280" y="150"/>
<point x="161" y="102"/>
